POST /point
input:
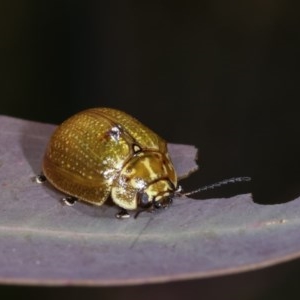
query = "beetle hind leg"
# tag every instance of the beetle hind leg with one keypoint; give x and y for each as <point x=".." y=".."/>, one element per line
<point x="41" y="178"/>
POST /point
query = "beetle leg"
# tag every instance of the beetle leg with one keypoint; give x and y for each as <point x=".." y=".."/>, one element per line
<point x="167" y="203"/>
<point x="69" y="200"/>
<point x="122" y="214"/>
<point x="163" y="204"/>
<point x="149" y="210"/>
<point x="41" y="178"/>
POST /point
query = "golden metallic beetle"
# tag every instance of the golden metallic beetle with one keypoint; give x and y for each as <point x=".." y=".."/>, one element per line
<point x="104" y="152"/>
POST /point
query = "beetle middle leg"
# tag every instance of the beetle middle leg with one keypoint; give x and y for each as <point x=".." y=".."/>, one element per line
<point x="69" y="200"/>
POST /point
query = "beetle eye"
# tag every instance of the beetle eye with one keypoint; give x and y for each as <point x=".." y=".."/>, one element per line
<point x="144" y="200"/>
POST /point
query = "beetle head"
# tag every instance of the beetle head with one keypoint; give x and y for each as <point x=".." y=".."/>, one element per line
<point x="156" y="196"/>
<point x="146" y="182"/>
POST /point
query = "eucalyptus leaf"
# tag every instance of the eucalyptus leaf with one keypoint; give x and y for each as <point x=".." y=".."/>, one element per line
<point x="45" y="242"/>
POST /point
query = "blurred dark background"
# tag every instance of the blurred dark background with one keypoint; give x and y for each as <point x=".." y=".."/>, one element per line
<point x="221" y="75"/>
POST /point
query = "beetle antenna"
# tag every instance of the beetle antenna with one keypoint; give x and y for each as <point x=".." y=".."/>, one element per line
<point x="217" y="185"/>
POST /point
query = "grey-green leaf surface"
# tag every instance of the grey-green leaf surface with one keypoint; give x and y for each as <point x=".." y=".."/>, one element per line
<point x="44" y="242"/>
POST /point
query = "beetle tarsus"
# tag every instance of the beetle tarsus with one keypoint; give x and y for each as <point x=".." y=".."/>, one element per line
<point x="122" y="214"/>
<point x="69" y="200"/>
<point x="41" y="178"/>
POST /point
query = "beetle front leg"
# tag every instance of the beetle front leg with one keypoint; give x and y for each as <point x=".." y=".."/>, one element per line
<point x="122" y="214"/>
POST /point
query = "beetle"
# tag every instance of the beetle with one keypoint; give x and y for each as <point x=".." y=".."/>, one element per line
<point x="103" y="152"/>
